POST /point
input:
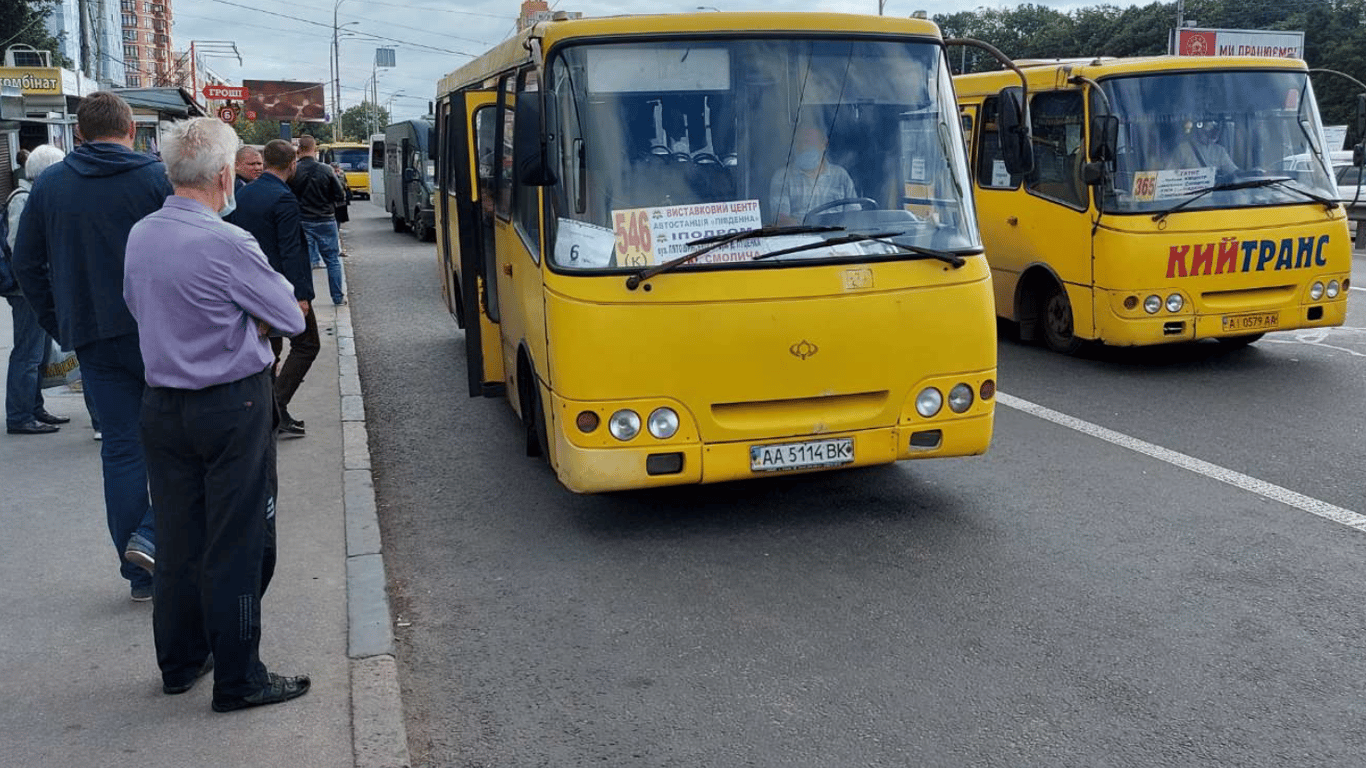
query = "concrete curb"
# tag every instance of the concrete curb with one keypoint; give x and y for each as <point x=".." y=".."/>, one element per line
<point x="378" y="736"/>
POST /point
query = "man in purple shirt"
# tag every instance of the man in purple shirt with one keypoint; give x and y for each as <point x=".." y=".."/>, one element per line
<point x="204" y="298"/>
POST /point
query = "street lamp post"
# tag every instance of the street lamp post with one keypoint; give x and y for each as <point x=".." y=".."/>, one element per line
<point x="336" y="69"/>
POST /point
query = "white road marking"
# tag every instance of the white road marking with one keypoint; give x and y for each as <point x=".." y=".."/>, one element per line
<point x="1237" y="479"/>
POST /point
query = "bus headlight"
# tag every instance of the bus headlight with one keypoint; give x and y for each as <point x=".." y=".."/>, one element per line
<point x="1332" y="289"/>
<point x="1175" y="302"/>
<point x="1152" y="304"/>
<point x="624" y="424"/>
<point x="928" y="402"/>
<point x="663" y="423"/>
<point x="1316" y="291"/>
<point x="960" y="398"/>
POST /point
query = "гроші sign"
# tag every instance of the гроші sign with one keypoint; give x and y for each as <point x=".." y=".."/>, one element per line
<point x="233" y="92"/>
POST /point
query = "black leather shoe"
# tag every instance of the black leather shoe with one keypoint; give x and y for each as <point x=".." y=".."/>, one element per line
<point x="277" y="689"/>
<point x="47" y="418"/>
<point x="31" y="427"/>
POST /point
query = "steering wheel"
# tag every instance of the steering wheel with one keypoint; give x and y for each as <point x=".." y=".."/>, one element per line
<point x="864" y="204"/>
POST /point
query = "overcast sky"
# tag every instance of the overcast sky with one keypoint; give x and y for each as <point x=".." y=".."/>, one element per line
<point x="293" y="41"/>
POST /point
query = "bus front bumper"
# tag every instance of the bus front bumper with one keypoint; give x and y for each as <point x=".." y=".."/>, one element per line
<point x="596" y="470"/>
<point x="1169" y="328"/>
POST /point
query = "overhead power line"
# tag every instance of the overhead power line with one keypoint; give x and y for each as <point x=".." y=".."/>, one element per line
<point x="329" y="27"/>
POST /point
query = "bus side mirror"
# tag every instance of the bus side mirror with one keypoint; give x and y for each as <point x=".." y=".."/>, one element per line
<point x="410" y="174"/>
<point x="1013" y="131"/>
<point x="1361" y="116"/>
<point x="528" y="160"/>
<point x="1359" y="155"/>
<point x="1104" y="138"/>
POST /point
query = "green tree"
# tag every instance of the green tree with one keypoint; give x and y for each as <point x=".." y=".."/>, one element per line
<point x="261" y="131"/>
<point x="21" y="22"/>
<point x="358" y="122"/>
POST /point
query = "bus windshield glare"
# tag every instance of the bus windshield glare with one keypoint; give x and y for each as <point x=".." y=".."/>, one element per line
<point x="1181" y="134"/>
<point x="663" y="143"/>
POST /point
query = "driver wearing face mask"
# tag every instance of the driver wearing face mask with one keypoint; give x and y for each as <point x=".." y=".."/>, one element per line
<point x="1200" y="148"/>
<point x="808" y="181"/>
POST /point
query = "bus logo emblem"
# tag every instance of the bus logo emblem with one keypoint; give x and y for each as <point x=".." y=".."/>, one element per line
<point x="803" y="349"/>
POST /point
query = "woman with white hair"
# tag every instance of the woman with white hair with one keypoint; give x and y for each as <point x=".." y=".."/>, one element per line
<point x="25" y="413"/>
<point x="204" y="298"/>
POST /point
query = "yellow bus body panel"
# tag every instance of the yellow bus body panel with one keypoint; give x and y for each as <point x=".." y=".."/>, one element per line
<point x="743" y="365"/>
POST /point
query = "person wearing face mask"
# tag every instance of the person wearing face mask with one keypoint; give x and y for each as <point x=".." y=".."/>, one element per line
<point x="68" y="260"/>
<point x="808" y="181"/>
<point x="205" y="298"/>
<point x="1200" y="148"/>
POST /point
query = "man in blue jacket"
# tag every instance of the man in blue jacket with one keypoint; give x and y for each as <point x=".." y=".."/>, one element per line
<point x="269" y="211"/>
<point x="68" y="258"/>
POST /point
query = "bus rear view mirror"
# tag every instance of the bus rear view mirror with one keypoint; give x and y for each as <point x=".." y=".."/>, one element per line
<point x="1013" y="132"/>
<point x="1104" y="138"/>
<point x="528" y="150"/>
<point x="1361" y="117"/>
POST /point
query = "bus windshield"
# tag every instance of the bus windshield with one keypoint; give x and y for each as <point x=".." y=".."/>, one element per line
<point x="1181" y="134"/>
<point x="357" y="159"/>
<point x="662" y="143"/>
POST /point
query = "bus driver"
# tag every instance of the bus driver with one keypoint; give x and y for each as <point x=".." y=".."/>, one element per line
<point x="807" y="181"/>
<point x="1200" y="148"/>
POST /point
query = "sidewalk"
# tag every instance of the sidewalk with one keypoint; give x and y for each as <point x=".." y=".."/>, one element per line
<point x="78" y="674"/>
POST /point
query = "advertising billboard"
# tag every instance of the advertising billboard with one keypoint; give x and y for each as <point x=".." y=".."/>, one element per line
<point x="284" y="100"/>
<point x="1238" y="42"/>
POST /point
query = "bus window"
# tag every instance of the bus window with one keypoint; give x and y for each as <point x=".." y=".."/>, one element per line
<point x="991" y="164"/>
<point x="1056" y="119"/>
<point x="503" y="172"/>
<point x="526" y="200"/>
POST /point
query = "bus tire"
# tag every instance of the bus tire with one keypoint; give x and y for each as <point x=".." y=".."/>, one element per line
<point x="1238" y="342"/>
<point x="1055" y="322"/>
<point x="533" y="412"/>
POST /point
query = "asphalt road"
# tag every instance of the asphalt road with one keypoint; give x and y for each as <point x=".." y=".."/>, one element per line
<point x="1167" y="592"/>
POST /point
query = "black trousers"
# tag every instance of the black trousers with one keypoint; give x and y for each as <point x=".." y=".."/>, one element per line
<point x="303" y="350"/>
<point x="211" y="472"/>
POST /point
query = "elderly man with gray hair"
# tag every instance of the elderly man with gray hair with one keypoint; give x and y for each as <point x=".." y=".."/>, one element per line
<point x="204" y="298"/>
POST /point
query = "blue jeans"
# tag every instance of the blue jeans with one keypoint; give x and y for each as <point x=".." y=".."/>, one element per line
<point x="23" y="384"/>
<point x="322" y="240"/>
<point x="113" y="374"/>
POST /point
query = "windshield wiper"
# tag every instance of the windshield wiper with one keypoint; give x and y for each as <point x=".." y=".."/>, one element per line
<point x="1263" y="181"/>
<point x="854" y="237"/>
<point x="1320" y="199"/>
<point x="716" y="241"/>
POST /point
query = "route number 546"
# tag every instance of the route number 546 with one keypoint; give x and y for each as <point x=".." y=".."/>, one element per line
<point x="634" y="247"/>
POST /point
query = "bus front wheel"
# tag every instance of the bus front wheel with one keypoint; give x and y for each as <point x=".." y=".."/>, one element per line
<point x="1057" y="324"/>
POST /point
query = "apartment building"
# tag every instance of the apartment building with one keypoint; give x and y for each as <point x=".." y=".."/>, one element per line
<point x="147" y="55"/>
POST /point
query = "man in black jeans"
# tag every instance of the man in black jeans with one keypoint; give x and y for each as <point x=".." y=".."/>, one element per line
<point x="319" y="192"/>
<point x="269" y="211"/>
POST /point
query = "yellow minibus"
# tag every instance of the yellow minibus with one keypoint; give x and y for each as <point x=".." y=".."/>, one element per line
<point x="680" y="245"/>
<point x="1170" y="199"/>
<point x="354" y="159"/>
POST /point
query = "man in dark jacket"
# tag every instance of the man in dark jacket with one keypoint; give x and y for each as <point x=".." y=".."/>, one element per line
<point x="68" y="258"/>
<point x="316" y="186"/>
<point x="248" y="166"/>
<point x="270" y="212"/>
